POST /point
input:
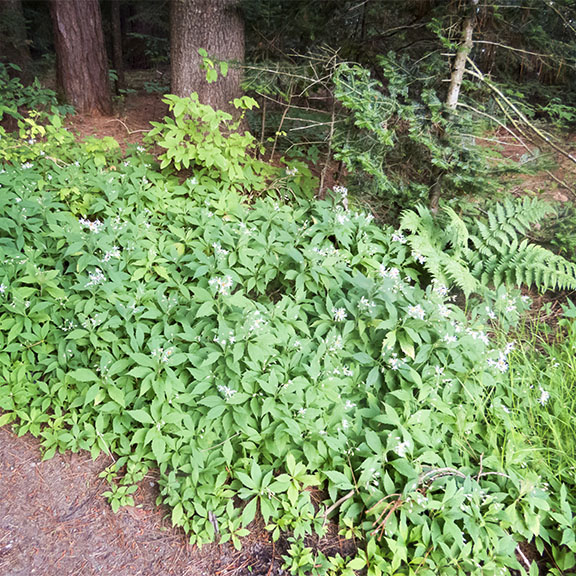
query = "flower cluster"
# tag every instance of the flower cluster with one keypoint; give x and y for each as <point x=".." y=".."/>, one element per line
<point x="95" y="278"/>
<point x="162" y="355"/>
<point x="95" y="226"/>
<point x="223" y="284"/>
<point x="339" y="314"/>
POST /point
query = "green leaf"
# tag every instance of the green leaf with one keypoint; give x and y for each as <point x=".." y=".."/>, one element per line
<point x="84" y="375"/>
<point x="249" y="512"/>
<point x="117" y="394"/>
<point x="177" y="514"/>
<point x="339" y="480"/>
<point x="159" y="448"/>
<point x="141" y="416"/>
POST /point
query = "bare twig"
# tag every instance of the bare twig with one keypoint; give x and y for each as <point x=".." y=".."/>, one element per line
<point x="478" y="74"/>
<point x="338" y="503"/>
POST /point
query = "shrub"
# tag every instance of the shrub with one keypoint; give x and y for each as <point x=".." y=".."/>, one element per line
<point x="254" y="352"/>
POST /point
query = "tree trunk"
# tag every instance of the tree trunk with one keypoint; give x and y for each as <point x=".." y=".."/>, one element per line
<point x="82" y="67"/>
<point x="117" y="44"/>
<point x="216" y="26"/>
<point x="461" y="57"/>
<point x="14" y="47"/>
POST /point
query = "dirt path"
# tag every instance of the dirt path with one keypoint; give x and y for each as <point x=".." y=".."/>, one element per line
<point x="54" y="521"/>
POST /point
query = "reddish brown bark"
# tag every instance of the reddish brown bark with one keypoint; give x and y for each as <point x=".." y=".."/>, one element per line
<point x="216" y="26"/>
<point x="82" y="66"/>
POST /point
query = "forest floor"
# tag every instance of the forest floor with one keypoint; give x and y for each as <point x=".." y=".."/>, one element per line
<point x="53" y="517"/>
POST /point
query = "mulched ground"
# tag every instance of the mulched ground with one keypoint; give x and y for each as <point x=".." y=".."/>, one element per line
<point x="54" y="521"/>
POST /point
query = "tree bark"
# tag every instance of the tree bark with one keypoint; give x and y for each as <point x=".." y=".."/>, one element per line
<point x="14" y="47"/>
<point x="461" y="57"/>
<point x="117" y="55"/>
<point x="82" y="67"/>
<point x="216" y="26"/>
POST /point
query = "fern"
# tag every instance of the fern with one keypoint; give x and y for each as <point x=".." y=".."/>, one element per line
<point x="488" y="248"/>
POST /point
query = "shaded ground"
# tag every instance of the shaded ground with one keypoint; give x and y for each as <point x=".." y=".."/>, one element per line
<point x="54" y="521"/>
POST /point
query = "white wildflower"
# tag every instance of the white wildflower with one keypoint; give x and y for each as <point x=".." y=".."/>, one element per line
<point x="339" y="314"/>
<point x="416" y="312"/>
<point x="337" y="344"/>
<point x="291" y="171"/>
<point x="393" y="273"/>
<point x="162" y="354"/>
<point x="418" y="257"/>
<point x="399" y="237"/>
<point x="96" y="277"/>
<point x="223" y="284"/>
<point x="501" y="364"/>
<point x="218" y="250"/>
<point x="114" y="253"/>
<point x="366" y="304"/>
<point x="226" y="391"/>
<point x="402" y="449"/>
<point x="95" y="226"/>
<point x="544" y="396"/>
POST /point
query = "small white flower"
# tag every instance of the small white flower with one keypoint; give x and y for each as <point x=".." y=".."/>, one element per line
<point x="418" y="257"/>
<point x="291" y="171"/>
<point x="95" y="226"/>
<point x="416" y="312"/>
<point x="223" y="284"/>
<point x="349" y="405"/>
<point x="114" y="253"/>
<point x="162" y="355"/>
<point x="544" y="396"/>
<point x="444" y="311"/>
<point x="402" y="449"/>
<point x="366" y="304"/>
<point x="226" y="391"/>
<point x="393" y="273"/>
<point x="3" y="288"/>
<point x="491" y="314"/>
<point x="509" y="347"/>
<point x="449" y="339"/>
<point x="501" y="364"/>
<point x="337" y="344"/>
<point x="96" y="277"/>
<point x="26" y="165"/>
<point x="399" y="237"/>
<point x="218" y="250"/>
<point x="339" y="314"/>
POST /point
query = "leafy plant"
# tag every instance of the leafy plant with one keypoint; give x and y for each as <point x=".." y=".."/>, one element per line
<point x="199" y="137"/>
<point x="254" y="350"/>
<point x="487" y="248"/>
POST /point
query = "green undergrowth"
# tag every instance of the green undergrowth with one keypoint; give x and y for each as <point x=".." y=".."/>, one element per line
<point x="255" y="351"/>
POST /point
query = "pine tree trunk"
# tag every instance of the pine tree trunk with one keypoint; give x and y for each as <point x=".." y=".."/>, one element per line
<point x="13" y="41"/>
<point x="216" y="26"/>
<point x="82" y="67"/>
